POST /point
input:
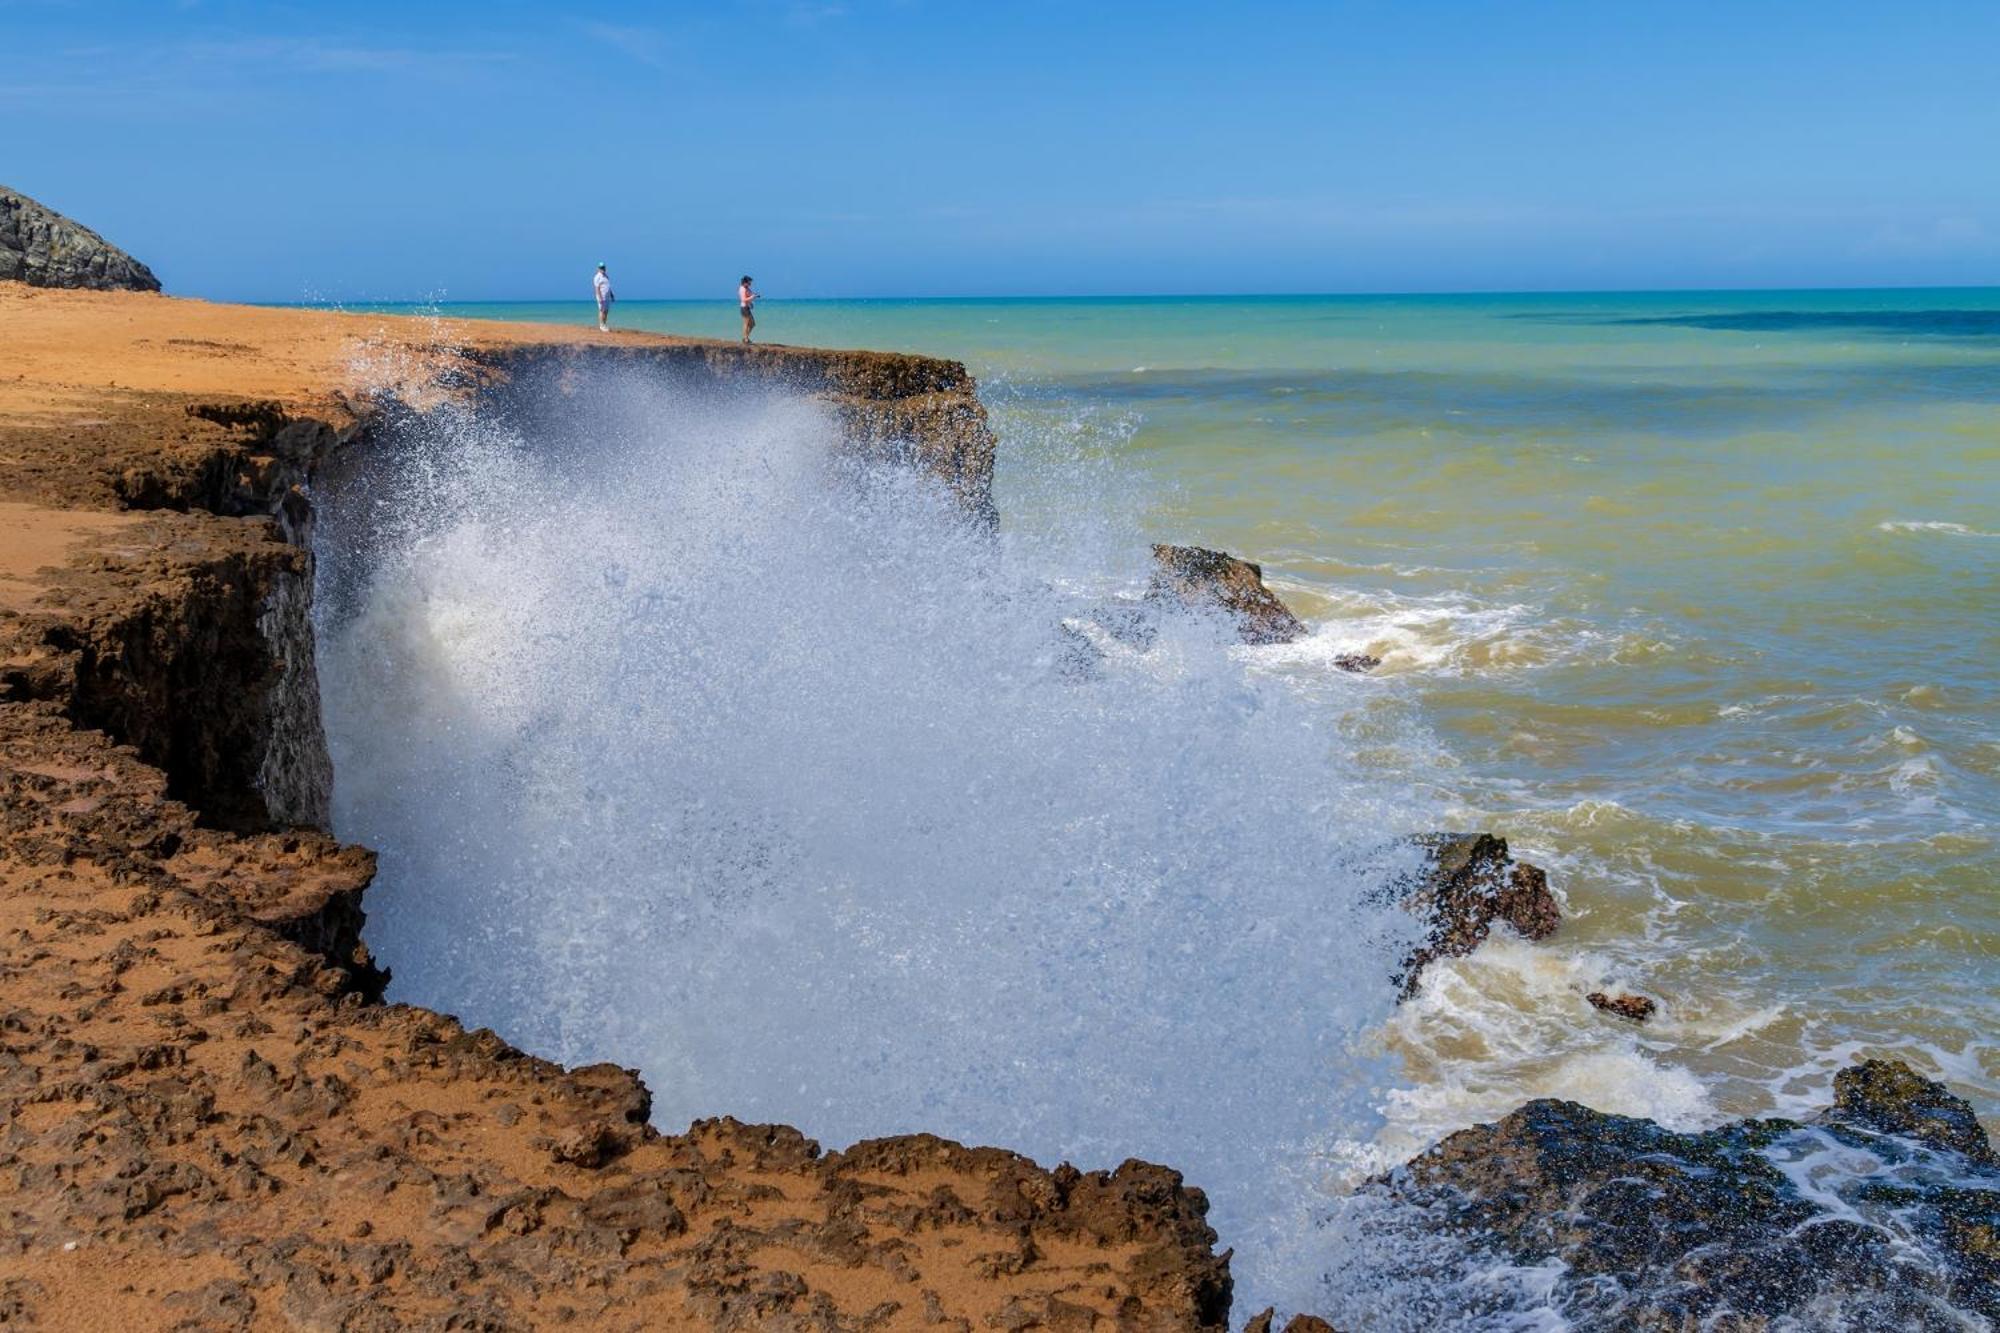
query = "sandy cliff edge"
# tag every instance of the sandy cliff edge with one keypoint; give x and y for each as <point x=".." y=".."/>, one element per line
<point x="209" y="1117"/>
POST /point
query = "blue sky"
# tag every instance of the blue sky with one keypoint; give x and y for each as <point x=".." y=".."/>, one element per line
<point x="918" y="147"/>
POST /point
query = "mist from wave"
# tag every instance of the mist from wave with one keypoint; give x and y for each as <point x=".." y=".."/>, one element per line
<point x="688" y="746"/>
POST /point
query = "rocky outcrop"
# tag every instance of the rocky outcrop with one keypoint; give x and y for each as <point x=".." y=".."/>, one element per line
<point x="1200" y="579"/>
<point x="42" y="248"/>
<point x="194" y="644"/>
<point x="1888" y="1097"/>
<point x="1469" y="882"/>
<point x="918" y="411"/>
<point x="203" y="1116"/>
<point x="1637" y="1008"/>
<point x="207" y="1117"/>
<point x="1884" y="1214"/>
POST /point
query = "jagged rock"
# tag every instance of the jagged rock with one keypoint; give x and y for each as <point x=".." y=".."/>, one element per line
<point x="1357" y="662"/>
<point x="1889" y="1097"/>
<point x="201" y="1097"/>
<point x="1659" y="1230"/>
<point x="42" y="248"/>
<point x="1472" y="881"/>
<point x="1202" y="579"/>
<point x="1638" y="1008"/>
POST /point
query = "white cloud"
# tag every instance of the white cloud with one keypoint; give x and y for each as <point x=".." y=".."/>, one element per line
<point x="648" y="46"/>
<point x="331" y="56"/>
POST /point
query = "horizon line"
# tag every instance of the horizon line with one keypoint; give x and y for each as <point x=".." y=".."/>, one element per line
<point x="1156" y="296"/>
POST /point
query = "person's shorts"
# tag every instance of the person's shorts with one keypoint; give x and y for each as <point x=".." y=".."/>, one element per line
<point x="746" y="311"/>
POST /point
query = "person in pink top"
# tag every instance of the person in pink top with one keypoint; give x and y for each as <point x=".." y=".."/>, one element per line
<point x="746" y="298"/>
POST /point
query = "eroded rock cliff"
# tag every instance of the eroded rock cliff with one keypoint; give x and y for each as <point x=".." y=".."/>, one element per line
<point x="206" y="1114"/>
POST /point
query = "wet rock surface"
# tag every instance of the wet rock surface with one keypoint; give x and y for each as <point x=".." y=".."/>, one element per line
<point x="42" y="248"/>
<point x="1200" y="579"/>
<point x="1888" y="1097"/>
<point x="1637" y="1008"/>
<point x="1885" y="1212"/>
<point x="1470" y="882"/>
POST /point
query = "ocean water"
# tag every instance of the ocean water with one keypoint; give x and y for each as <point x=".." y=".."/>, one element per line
<point x="1691" y="596"/>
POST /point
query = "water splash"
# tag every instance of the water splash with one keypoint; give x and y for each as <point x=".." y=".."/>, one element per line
<point x="689" y="746"/>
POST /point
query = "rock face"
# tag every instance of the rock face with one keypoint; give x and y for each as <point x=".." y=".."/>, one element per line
<point x="1659" y="1230"/>
<point x="208" y="1119"/>
<point x="1471" y="882"/>
<point x="42" y="248"/>
<point x="917" y="411"/>
<point x="1201" y="579"/>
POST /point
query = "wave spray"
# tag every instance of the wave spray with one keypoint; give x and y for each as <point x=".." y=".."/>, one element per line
<point x="689" y="744"/>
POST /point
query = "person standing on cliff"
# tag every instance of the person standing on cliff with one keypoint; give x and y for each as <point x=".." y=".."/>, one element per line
<point x="601" y="285"/>
<point x="745" y="299"/>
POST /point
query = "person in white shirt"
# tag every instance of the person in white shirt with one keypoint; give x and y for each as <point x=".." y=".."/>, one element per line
<point x="745" y="299"/>
<point x="601" y="284"/>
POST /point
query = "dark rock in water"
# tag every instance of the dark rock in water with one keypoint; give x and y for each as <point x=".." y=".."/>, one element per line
<point x="1889" y="1097"/>
<point x="1357" y="662"/>
<point x="1729" y="1228"/>
<point x="1262" y="1321"/>
<point x="1638" y="1008"/>
<point x="1471" y="882"/>
<point x="1200" y="579"/>
<point x="42" y="248"/>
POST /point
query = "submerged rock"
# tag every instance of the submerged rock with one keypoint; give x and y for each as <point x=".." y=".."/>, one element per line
<point x="1201" y="579"/>
<point x="42" y="248"/>
<point x="1357" y="662"/>
<point x="1884" y="1214"/>
<point x="1638" y="1008"/>
<point x="1471" y="882"/>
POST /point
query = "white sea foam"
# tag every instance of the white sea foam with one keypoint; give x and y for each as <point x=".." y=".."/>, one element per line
<point x="1509" y="1023"/>
<point x="1932" y="525"/>
<point x="1445" y="632"/>
<point x="686" y="748"/>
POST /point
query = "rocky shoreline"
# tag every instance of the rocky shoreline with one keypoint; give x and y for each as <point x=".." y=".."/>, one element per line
<point x="210" y="1117"/>
<point x="212" y="1120"/>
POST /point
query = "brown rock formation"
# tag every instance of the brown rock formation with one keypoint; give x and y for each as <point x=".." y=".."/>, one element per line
<point x="207" y="1118"/>
<point x="1200" y="579"/>
<point x="1638" y="1008"/>
<point x="1471" y="882"/>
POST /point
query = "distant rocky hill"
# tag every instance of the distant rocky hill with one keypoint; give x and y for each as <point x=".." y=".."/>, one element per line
<point x="42" y="248"/>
